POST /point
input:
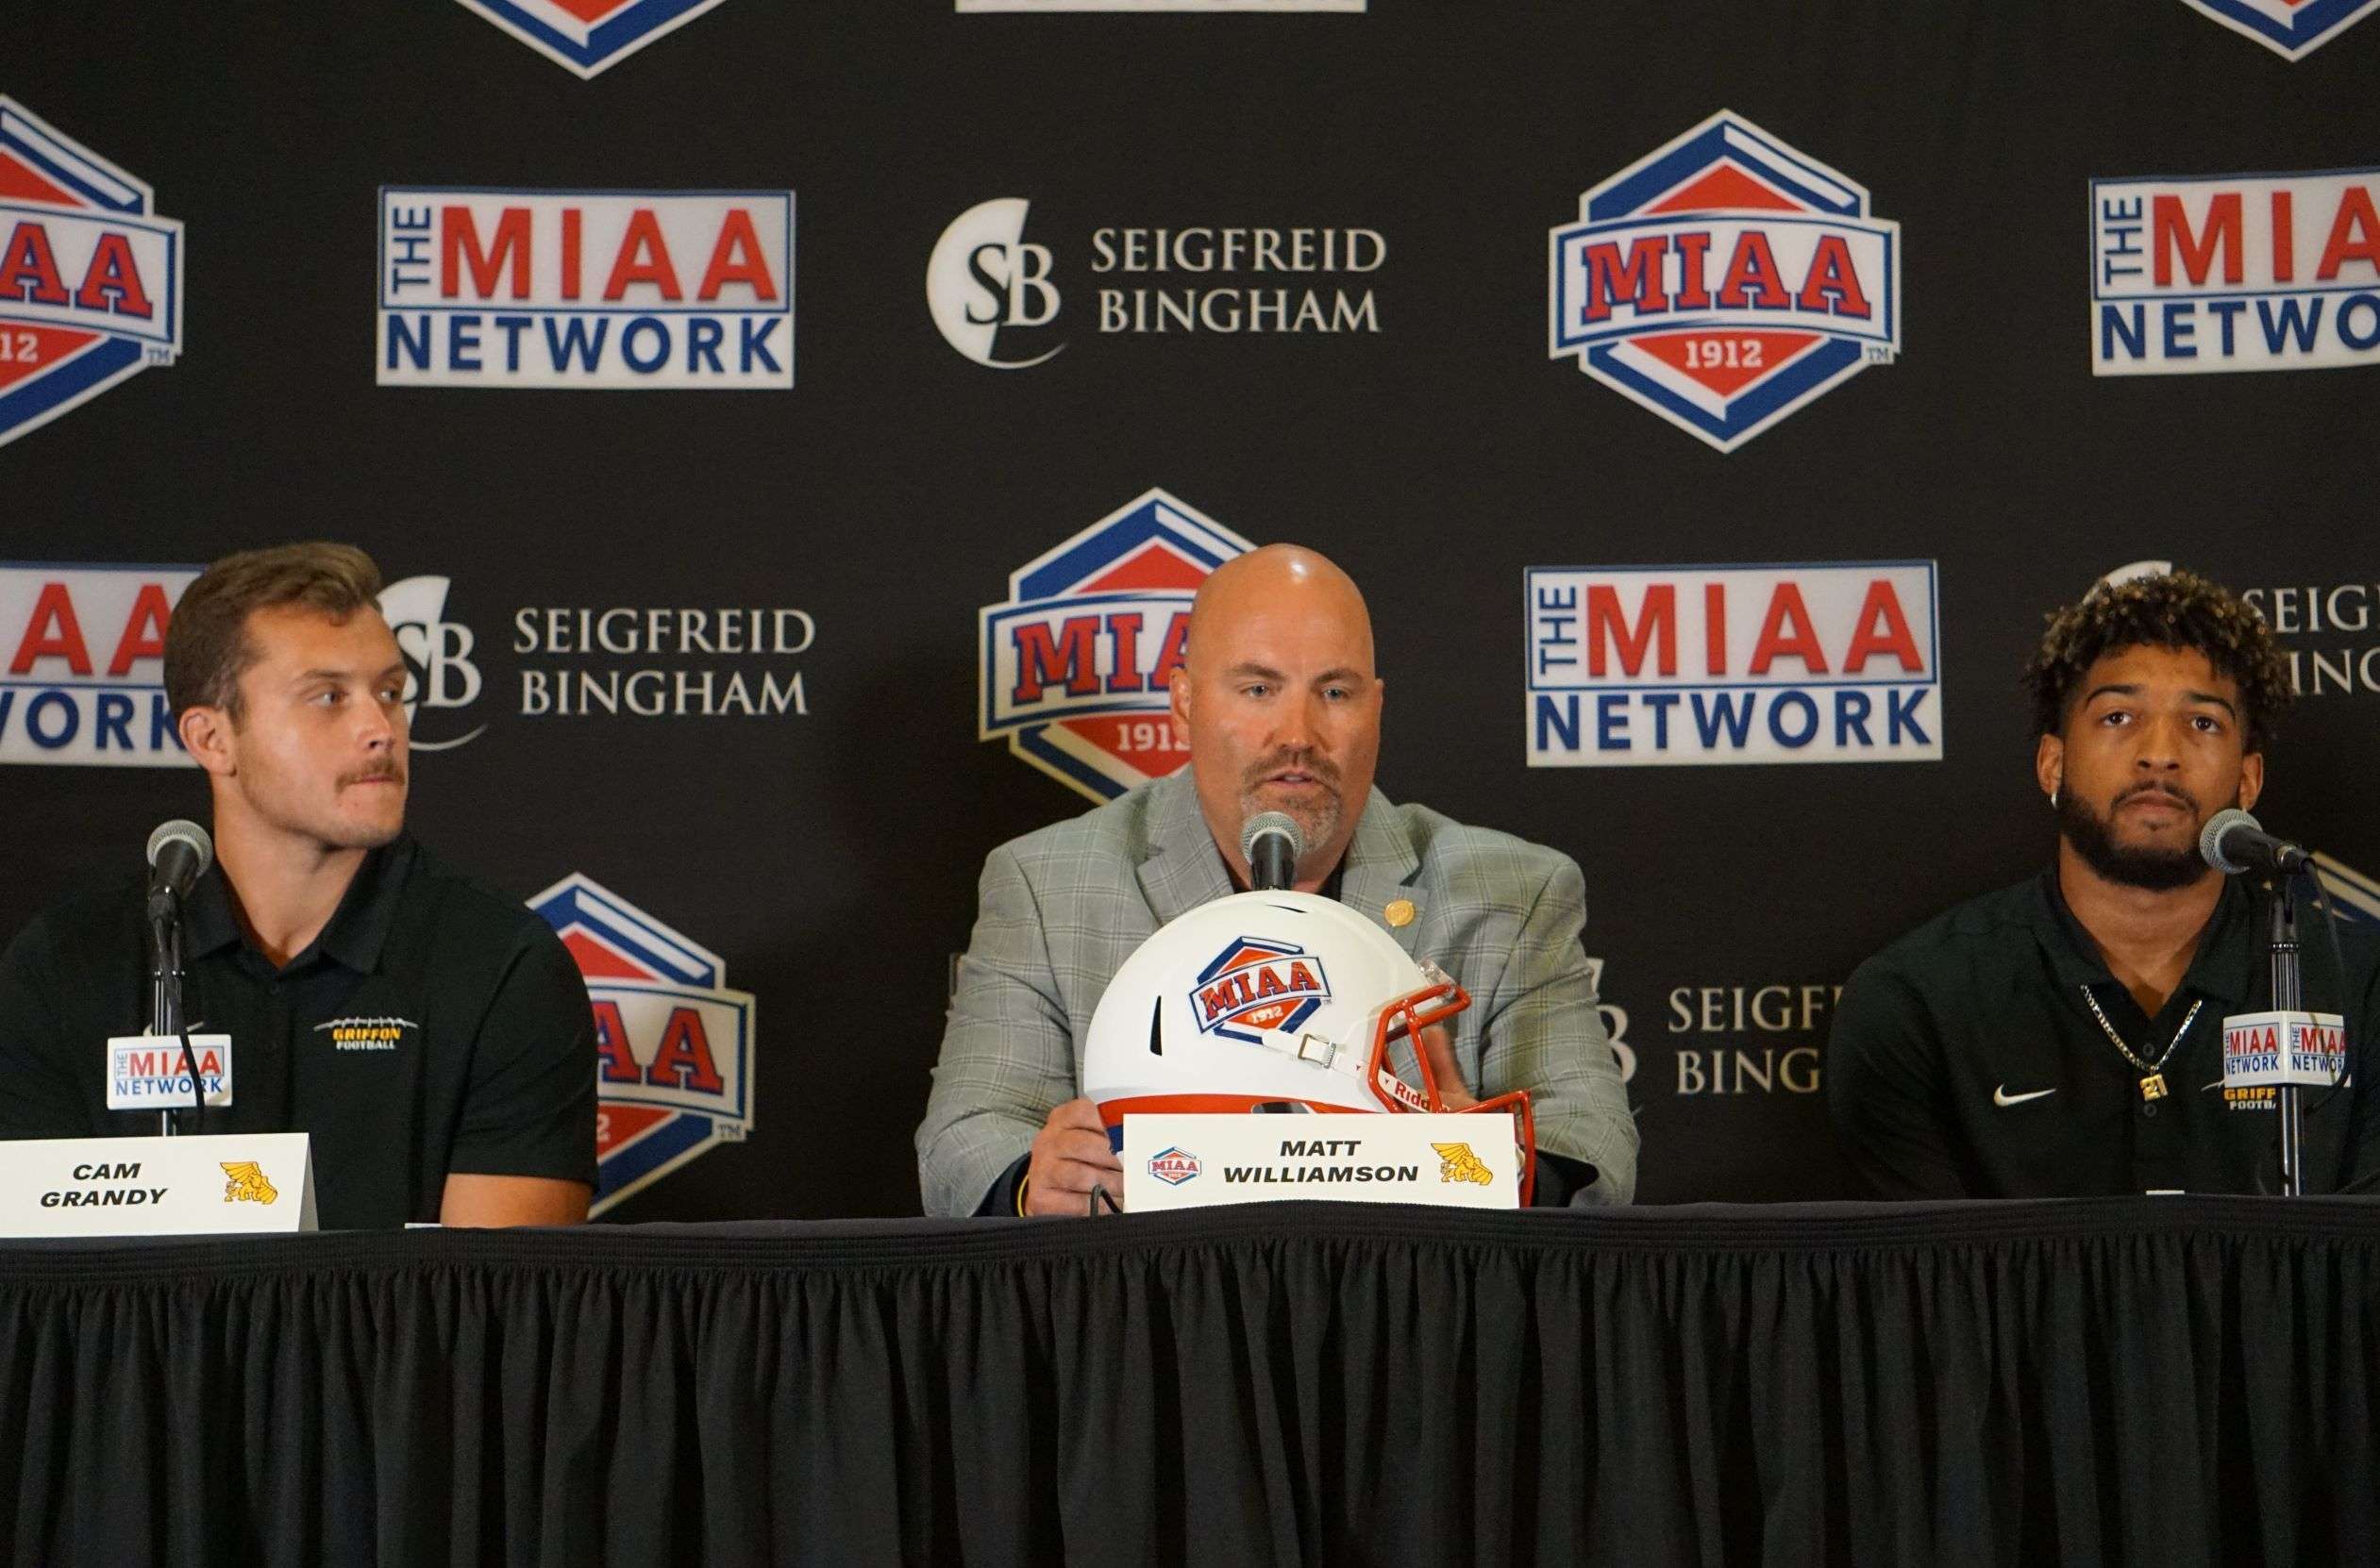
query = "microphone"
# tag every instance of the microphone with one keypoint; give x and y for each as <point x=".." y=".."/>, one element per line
<point x="1271" y="842"/>
<point x="180" y="854"/>
<point x="2233" y="842"/>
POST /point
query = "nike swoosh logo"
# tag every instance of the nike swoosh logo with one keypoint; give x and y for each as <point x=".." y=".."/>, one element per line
<point x="2204" y="1088"/>
<point x="2000" y="1097"/>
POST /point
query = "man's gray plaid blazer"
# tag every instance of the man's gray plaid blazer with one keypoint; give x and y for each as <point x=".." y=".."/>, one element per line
<point x="1060" y="909"/>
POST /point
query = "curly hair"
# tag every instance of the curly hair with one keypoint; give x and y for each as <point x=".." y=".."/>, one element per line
<point x="2173" y="609"/>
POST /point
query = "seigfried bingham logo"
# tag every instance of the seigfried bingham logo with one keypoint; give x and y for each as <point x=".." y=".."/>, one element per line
<point x="1725" y="281"/>
<point x="1173" y="1166"/>
<point x="609" y="289"/>
<point x="90" y="278"/>
<point x="1256" y="984"/>
<point x="2201" y="273"/>
<point x="1074" y="661"/>
<point x="84" y="676"/>
<point x="439" y="672"/>
<point x="1835" y="662"/>
<point x="2290" y="28"/>
<point x="589" y="37"/>
<point x="673" y="1042"/>
<point x="998" y="298"/>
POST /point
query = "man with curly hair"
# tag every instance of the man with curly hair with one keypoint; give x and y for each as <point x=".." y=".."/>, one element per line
<point x="2063" y="1037"/>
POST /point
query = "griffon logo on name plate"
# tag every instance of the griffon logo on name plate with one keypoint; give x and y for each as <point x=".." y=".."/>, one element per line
<point x="1826" y="662"/>
<point x="90" y="278"/>
<point x="1725" y="281"/>
<point x="1075" y="662"/>
<point x="2290" y="28"/>
<point x="589" y="37"/>
<point x="82" y="664"/>
<point x="612" y="290"/>
<point x="673" y="1042"/>
<point x="2235" y="272"/>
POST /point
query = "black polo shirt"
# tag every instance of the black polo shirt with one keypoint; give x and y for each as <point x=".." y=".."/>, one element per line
<point x="1965" y="1062"/>
<point x="435" y="1025"/>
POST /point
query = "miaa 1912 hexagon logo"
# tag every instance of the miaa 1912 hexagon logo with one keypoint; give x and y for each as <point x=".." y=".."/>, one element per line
<point x="2290" y="28"/>
<point x="589" y="37"/>
<point x="1258" y="984"/>
<point x="1075" y="663"/>
<point x="673" y="1043"/>
<point x="1725" y="281"/>
<point x="90" y="278"/>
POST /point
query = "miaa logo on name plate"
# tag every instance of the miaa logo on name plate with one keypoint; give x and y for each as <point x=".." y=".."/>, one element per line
<point x="589" y="37"/>
<point x="673" y="1043"/>
<point x="1075" y="663"/>
<point x="1725" y="281"/>
<point x="90" y="278"/>
<point x="2290" y="28"/>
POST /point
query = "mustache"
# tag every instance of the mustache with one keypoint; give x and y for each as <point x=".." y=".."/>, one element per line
<point x="373" y="776"/>
<point x="1304" y="761"/>
<point x="2173" y="792"/>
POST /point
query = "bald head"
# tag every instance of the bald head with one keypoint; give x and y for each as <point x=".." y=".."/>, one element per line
<point x="1277" y="579"/>
<point x="1278" y="702"/>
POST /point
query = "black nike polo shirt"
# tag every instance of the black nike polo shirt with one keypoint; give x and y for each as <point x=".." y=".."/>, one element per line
<point x="1967" y="1061"/>
<point x="435" y="1025"/>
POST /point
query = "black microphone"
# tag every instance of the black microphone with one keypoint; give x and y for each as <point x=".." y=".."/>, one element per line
<point x="2233" y="842"/>
<point x="180" y="854"/>
<point x="1271" y="843"/>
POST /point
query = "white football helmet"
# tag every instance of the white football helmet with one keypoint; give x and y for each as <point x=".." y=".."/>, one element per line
<point x="1272" y="1001"/>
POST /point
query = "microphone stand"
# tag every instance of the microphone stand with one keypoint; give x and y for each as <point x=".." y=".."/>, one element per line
<point x="2288" y="996"/>
<point x="165" y="1001"/>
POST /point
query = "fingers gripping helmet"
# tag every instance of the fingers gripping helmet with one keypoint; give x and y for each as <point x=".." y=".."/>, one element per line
<point x="1273" y="1001"/>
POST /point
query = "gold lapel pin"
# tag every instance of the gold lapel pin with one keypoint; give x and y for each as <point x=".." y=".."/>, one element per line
<point x="1399" y="913"/>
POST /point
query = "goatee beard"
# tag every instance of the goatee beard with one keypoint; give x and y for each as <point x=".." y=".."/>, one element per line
<point x="2152" y="869"/>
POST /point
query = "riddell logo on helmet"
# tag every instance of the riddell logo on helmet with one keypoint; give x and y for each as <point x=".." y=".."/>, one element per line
<point x="1255" y="985"/>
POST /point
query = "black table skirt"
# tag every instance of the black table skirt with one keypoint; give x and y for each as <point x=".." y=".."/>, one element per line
<point x="2168" y="1381"/>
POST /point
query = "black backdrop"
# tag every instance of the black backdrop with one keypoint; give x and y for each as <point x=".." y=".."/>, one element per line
<point x="829" y="859"/>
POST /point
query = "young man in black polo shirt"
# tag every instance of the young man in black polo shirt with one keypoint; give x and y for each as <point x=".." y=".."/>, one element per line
<point x="431" y="1034"/>
<point x="2063" y="1037"/>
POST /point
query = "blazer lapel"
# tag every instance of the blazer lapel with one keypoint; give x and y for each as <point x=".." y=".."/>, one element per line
<point x="1382" y="865"/>
<point x="1184" y="869"/>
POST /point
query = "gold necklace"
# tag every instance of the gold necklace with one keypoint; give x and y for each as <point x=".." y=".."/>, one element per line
<point x="2153" y="1075"/>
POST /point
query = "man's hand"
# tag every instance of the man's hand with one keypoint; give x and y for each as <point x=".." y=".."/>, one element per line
<point x="1071" y="1153"/>
<point x="1438" y="1049"/>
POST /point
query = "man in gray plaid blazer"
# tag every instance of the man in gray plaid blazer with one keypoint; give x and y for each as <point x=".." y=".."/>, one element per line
<point x="1280" y="710"/>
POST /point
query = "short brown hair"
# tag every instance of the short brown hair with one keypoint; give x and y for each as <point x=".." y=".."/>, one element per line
<point x="207" y="649"/>
<point x="2169" y="609"/>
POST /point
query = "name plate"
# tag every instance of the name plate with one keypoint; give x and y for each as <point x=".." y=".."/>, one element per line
<point x="230" y="1184"/>
<point x="1179" y="1161"/>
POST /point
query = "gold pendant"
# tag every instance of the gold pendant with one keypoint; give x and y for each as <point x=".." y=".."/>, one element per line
<point x="2153" y="1087"/>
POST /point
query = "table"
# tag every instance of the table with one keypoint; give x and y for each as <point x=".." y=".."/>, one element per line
<point x="2182" y="1380"/>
